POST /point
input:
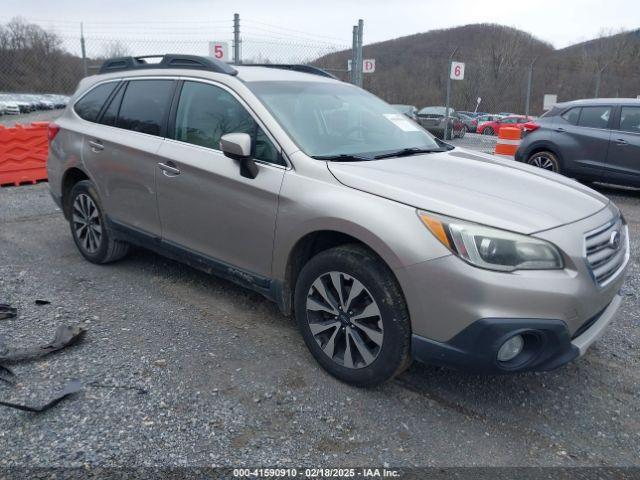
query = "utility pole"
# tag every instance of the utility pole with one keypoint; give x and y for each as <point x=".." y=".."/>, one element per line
<point x="359" y="62"/>
<point x="354" y="56"/>
<point x="446" y="109"/>
<point x="236" y="39"/>
<point x="599" y="79"/>
<point x="85" y="68"/>
<point x="529" y="77"/>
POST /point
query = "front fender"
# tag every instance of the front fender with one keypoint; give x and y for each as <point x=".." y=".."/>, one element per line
<point x="311" y="204"/>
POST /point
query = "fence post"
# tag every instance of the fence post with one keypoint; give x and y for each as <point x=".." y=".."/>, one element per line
<point x="236" y="39"/>
<point x="354" y="55"/>
<point x="529" y="76"/>
<point x="85" y="69"/>
<point x="359" y="62"/>
<point x="599" y="79"/>
<point x="446" y="107"/>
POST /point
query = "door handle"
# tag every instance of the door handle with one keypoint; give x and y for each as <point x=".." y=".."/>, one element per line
<point x="621" y="142"/>
<point x="96" y="145"/>
<point x="169" y="169"/>
<point x="560" y="130"/>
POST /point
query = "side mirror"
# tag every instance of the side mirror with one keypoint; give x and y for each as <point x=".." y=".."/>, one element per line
<point x="238" y="147"/>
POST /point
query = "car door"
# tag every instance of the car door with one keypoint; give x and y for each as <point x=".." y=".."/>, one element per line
<point x="206" y="206"/>
<point x="505" y="122"/>
<point x="121" y="153"/>
<point x="624" y="149"/>
<point x="582" y="136"/>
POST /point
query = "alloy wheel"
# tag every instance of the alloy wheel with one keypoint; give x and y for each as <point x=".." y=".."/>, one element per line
<point x="544" y="162"/>
<point x="86" y="223"/>
<point x="344" y="319"/>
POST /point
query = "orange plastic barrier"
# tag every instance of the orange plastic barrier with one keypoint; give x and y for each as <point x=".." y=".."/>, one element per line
<point x="23" y="153"/>
<point x="508" y="141"/>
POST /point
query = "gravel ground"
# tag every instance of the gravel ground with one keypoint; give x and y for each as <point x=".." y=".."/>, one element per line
<point x="187" y="369"/>
<point x="39" y="116"/>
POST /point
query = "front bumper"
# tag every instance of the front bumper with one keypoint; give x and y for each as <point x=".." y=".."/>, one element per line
<point x="548" y="343"/>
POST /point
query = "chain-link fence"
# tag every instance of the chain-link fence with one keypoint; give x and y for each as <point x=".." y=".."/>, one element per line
<point x="502" y="77"/>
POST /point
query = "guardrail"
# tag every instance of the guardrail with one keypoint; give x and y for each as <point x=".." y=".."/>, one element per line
<point x="23" y="154"/>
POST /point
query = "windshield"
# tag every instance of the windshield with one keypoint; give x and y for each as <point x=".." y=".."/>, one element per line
<point x="327" y="119"/>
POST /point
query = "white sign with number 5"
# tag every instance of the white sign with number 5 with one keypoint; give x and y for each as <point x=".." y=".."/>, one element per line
<point x="457" y="71"/>
<point x="219" y="51"/>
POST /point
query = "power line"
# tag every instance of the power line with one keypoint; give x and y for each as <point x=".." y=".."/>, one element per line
<point x="277" y="27"/>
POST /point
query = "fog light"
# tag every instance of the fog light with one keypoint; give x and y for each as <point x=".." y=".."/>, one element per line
<point x="511" y="348"/>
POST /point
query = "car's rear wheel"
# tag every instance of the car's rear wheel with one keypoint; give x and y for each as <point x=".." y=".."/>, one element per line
<point x="463" y="131"/>
<point x="545" y="160"/>
<point x="353" y="316"/>
<point x="488" y="131"/>
<point x="90" y="231"/>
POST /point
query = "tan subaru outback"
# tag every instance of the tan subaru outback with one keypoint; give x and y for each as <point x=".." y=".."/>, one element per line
<point x="385" y="243"/>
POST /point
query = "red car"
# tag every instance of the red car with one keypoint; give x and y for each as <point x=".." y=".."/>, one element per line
<point x="493" y="127"/>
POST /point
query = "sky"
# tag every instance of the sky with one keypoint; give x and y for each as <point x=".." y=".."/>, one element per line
<point x="559" y="22"/>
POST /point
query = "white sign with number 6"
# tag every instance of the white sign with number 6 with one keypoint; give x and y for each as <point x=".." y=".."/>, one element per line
<point x="457" y="71"/>
<point x="219" y="51"/>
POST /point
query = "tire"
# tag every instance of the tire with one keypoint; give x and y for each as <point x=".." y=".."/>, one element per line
<point x="488" y="131"/>
<point x="546" y="160"/>
<point x="463" y="131"/>
<point x="365" y="351"/>
<point x="95" y="239"/>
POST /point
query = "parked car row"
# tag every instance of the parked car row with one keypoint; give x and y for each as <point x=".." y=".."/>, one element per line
<point x="17" y="103"/>
<point x="595" y="140"/>
<point x="437" y="121"/>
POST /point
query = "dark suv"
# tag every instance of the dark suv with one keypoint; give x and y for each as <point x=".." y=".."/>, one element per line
<point x="591" y="140"/>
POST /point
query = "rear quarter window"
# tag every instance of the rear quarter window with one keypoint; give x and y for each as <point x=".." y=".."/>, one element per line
<point x="89" y="106"/>
<point x="572" y="115"/>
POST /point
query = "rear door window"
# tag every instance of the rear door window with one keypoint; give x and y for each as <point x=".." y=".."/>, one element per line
<point x="630" y="119"/>
<point x="145" y="105"/>
<point x="89" y="106"/>
<point x="595" y="117"/>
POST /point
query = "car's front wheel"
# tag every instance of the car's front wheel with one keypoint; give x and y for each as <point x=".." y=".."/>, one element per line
<point x="353" y="316"/>
<point x="488" y="131"/>
<point x="90" y="231"/>
<point x="545" y="160"/>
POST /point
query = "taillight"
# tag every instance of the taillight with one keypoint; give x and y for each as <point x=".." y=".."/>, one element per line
<point x="52" y="131"/>
<point x="530" y="127"/>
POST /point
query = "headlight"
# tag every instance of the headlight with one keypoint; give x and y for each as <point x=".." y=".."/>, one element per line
<point x="492" y="248"/>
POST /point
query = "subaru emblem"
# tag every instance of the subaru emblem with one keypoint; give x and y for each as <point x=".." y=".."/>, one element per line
<point x="614" y="240"/>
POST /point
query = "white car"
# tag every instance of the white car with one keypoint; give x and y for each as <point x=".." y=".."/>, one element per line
<point x="9" y="108"/>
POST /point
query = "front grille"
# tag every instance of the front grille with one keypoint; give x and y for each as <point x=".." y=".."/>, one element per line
<point x="605" y="256"/>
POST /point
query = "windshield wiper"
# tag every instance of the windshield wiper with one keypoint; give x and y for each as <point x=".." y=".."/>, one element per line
<point x="343" y="157"/>
<point x="406" y="152"/>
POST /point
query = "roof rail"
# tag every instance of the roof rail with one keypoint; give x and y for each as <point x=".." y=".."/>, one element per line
<point x="169" y="60"/>
<point x="295" y="67"/>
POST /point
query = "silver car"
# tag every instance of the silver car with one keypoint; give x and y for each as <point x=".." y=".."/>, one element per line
<point x="385" y="243"/>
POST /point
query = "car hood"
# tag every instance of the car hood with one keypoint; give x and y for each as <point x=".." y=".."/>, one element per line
<point x="475" y="187"/>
